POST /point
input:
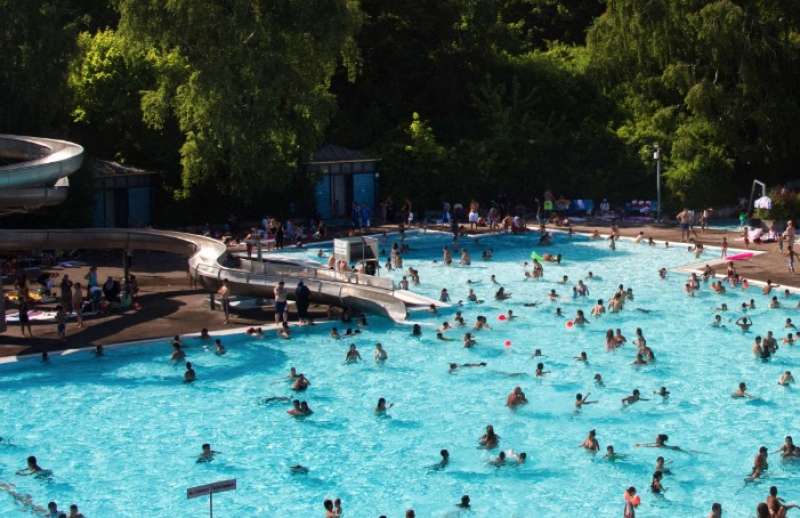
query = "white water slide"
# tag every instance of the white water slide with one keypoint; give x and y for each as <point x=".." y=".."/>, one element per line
<point x="38" y="178"/>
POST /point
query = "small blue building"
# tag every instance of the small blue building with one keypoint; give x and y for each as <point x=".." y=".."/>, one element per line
<point x="340" y="178"/>
<point x="123" y="195"/>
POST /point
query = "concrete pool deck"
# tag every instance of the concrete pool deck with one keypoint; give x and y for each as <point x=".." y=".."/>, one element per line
<point x="170" y="305"/>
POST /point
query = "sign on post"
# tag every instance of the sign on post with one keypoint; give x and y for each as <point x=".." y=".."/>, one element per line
<point x="210" y="489"/>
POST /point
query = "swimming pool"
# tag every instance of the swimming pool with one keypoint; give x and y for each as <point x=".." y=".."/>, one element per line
<point x="122" y="433"/>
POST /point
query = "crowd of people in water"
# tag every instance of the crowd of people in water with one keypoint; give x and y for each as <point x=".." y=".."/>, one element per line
<point x="622" y="298"/>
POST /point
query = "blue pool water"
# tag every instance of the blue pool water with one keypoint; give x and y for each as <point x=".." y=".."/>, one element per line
<point x="121" y="433"/>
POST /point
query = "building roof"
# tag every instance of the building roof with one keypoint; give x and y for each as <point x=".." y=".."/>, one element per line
<point x="329" y="153"/>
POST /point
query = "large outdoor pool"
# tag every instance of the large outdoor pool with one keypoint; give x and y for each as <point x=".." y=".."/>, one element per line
<point x="122" y="432"/>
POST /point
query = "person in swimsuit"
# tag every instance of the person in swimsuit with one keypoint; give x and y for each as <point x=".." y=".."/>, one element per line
<point x="190" y="375"/>
<point x="516" y="398"/>
<point x="633" y="398"/>
<point x="661" y="442"/>
<point x="300" y="383"/>
<point x="207" y="454"/>
<point x="540" y="370"/>
<point x="380" y="355"/>
<point x="760" y="464"/>
<point x="741" y="392"/>
<point x="655" y="483"/>
<point x="489" y="440"/>
<point x="353" y="356"/>
<point x="382" y="407"/>
<point x="591" y="443"/>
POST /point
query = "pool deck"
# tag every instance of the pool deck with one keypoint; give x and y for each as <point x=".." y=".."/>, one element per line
<point x="171" y="306"/>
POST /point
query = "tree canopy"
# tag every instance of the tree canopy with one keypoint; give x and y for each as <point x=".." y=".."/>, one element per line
<point x="461" y="98"/>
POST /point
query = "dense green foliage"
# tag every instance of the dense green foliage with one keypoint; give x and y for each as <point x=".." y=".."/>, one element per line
<point x="460" y="98"/>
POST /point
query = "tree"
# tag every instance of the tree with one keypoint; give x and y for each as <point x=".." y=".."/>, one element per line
<point x="247" y="81"/>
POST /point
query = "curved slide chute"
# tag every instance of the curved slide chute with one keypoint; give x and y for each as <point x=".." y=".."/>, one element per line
<point x="37" y="177"/>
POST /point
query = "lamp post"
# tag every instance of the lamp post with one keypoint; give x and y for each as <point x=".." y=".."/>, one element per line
<point x="657" y="158"/>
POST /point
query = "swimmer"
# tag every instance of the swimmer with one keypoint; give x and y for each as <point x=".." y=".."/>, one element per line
<point x="296" y="410"/>
<point x="459" y="320"/>
<point x="619" y="338"/>
<point x="380" y="354"/>
<point x="464" y="503"/>
<point x="416" y="330"/>
<point x="510" y="314"/>
<point x="353" y="356"/>
<point x="717" y="322"/>
<point x="468" y="340"/>
<point x="540" y="370"/>
<point x="33" y="468"/>
<point x="432" y="309"/>
<point x="581" y="400"/>
<point x="591" y="443"/>
<point x="516" y="398"/>
<point x="177" y="352"/>
<point x="760" y="464"/>
<point x="788" y="449"/>
<point x="553" y="296"/>
<point x="444" y="296"/>
<point x="662" y="273"/>
<point x="481" y="323"/>
<point x="789" y="340"/>
<point x="190" y="375"/>
<point x="440" y="336"/>
<point x="204" y="334"/>
<point x="207" y="454"/>
<point x="219" y="349"/>
<point x="661" y="442"/>
<point x="74" y="513"/>
<point x="580" y="319"/>
<point x="564" y="280"/>
<point x="722" y="307"/>
<point x="663" y="392"/>
<point x="789" y="324"/>
<point x="598" y="380"/>
<point x="445" y="460"/>
<point x="741" y="392"/>
<point x="633" y="398"/>
<point x="454" y="366"/>
<point x="655" y="483"/>
<point x="598" y="308"/>
<point x="537" y="353"/>
<point x="786" y="379"/>
<point x="489" y="440"/>
<point x="774" y="304"/>
<point x="612" y="455"/>
<point x="305" y="409"/>
<point x="559" y="313"/>
<point x="444" y="327"/>
<point x="472" y="297"/>
<point x="498" y="461"/>
<point x="335" y="334"/>
<point x="301" y="383"/>
<point x="501" y="294"/>
<point x="650" y="241"/>
<point x="298" y="469"/>
<point x="382" y="407"/>
<point x="582" y="357"/>
<point x="744" y="323"/>
<point x="632" y="501"/>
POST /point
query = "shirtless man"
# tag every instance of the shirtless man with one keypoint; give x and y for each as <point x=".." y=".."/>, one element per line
<point x="516" y="398"/>
<point x="741" y="392"/>
<point x="581" y="400"/>
<point x="633" y="398"/>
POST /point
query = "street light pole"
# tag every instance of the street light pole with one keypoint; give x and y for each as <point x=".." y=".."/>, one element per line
<point x="657" y="157"/>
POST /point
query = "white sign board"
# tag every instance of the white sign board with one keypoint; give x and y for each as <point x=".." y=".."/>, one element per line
<point x="216" y="487"/>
